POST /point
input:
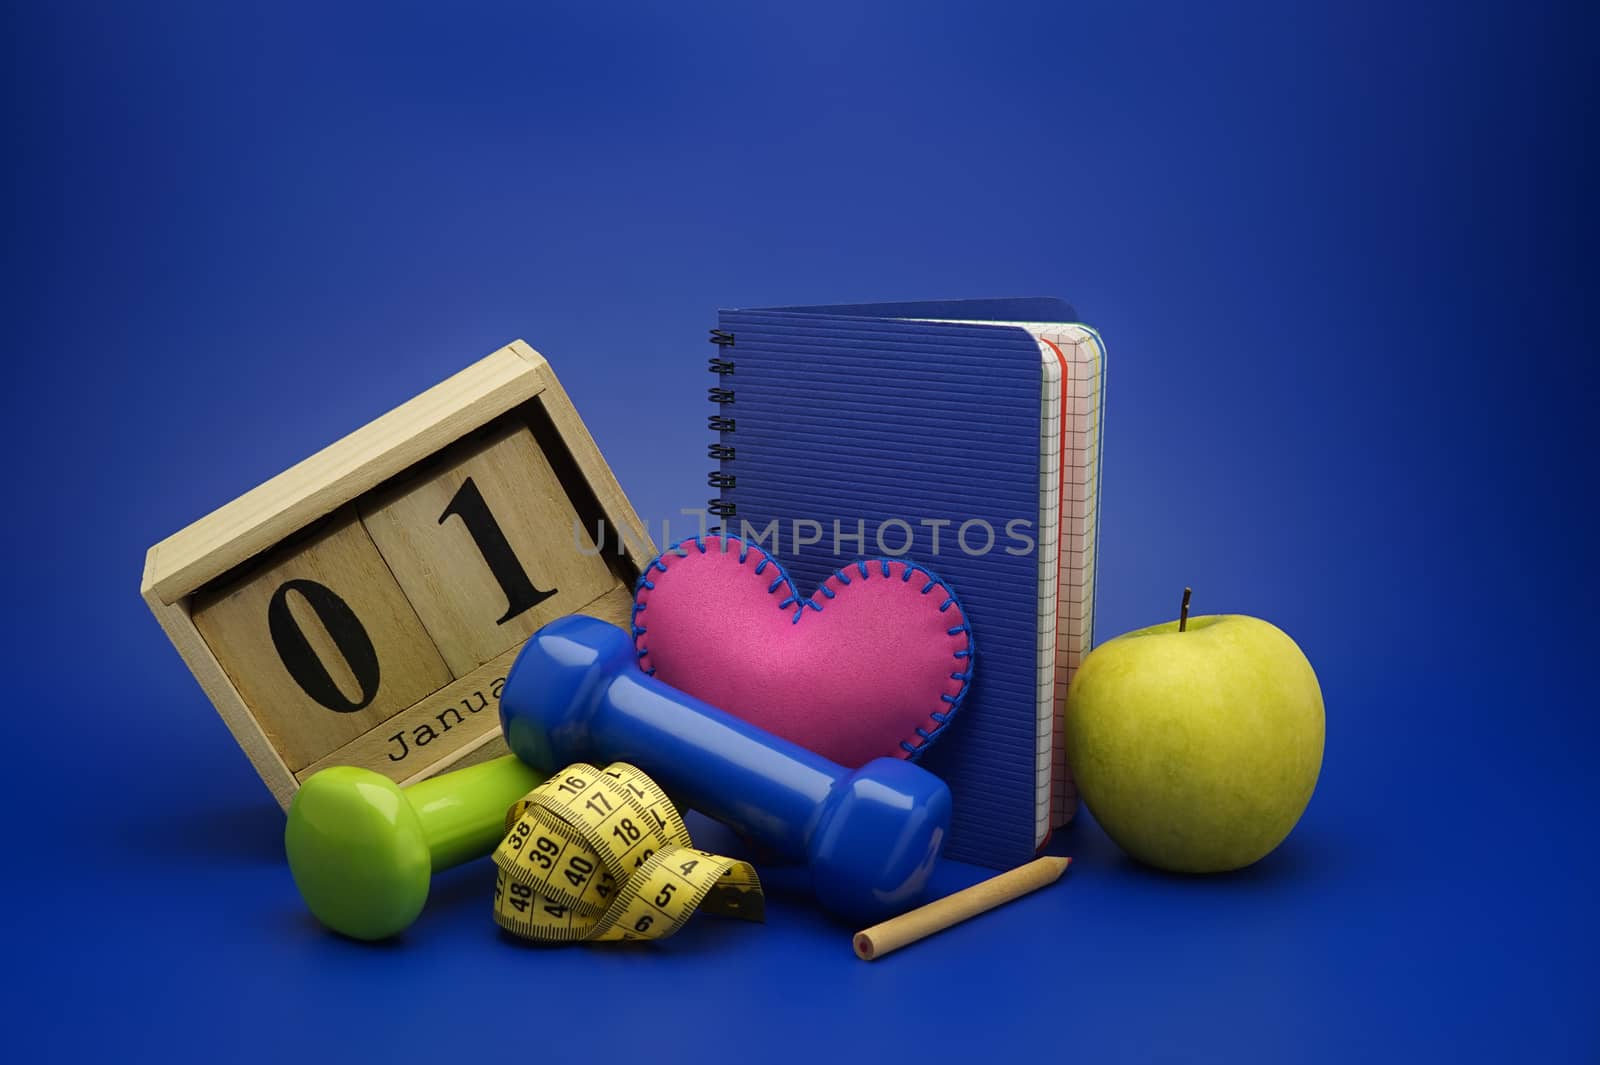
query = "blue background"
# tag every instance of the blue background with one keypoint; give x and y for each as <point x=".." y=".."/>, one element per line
<point x="1343" y="258"/>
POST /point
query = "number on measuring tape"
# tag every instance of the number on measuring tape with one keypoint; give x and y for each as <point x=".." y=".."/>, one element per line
<point x="578" y="870"/>
<point x="545" y="851"/>
<point x="519" y="835"/>
<point x="521" y="897"/>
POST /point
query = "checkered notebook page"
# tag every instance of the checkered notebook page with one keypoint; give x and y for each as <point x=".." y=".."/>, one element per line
<point x="1049" y="535"/>
<point x="1084" y="354"/>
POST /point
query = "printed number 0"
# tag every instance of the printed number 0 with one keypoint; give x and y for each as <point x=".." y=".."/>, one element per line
<point x="350" y="636"/>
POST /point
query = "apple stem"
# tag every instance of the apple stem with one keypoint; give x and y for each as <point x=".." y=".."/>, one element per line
<point x="1183" y="611"/>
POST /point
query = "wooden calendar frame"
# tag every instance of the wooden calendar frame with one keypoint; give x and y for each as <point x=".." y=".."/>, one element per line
<point x="512" y="386"/>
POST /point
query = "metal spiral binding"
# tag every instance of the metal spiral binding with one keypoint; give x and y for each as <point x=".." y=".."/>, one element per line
<point x="723" y="397"/>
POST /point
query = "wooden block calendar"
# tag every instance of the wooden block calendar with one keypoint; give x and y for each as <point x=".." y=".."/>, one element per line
<point x="363" y="607"/>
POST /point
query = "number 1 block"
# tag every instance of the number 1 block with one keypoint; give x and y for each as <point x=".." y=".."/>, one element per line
<point x="487" y="546"/>
<point x="362" y="607"/>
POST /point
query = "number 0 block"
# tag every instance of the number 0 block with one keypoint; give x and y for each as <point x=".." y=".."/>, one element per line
<point x="320" y="641"/>
<point x="362" y="607"/>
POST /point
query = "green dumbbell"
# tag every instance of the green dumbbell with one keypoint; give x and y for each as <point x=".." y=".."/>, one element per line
<point x="362" y="849"/>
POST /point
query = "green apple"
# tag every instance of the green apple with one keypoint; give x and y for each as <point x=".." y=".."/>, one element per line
<point x="1196" y="743"/>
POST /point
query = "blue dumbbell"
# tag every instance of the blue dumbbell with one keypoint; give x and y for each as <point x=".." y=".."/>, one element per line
<point x="870" y="835"/>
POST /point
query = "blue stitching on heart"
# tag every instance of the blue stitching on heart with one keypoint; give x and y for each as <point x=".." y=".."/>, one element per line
<point x="940" y="718"/>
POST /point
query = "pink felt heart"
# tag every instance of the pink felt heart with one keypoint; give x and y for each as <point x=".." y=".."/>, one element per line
<point x="874" y="664"/>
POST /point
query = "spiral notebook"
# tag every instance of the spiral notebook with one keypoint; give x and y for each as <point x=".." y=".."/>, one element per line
<point x="964" y="435"/>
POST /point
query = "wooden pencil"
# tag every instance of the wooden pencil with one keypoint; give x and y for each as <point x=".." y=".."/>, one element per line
<point x="924" y="921"/>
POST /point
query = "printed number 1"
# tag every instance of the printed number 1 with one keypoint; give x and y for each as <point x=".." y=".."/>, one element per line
<point x="521" y="595"/>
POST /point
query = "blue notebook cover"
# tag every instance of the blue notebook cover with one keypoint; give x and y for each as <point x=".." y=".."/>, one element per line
<point x="850" y="414"/>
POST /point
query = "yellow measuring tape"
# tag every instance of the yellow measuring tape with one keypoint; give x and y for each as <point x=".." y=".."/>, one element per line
<point x="601" y="854"/>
